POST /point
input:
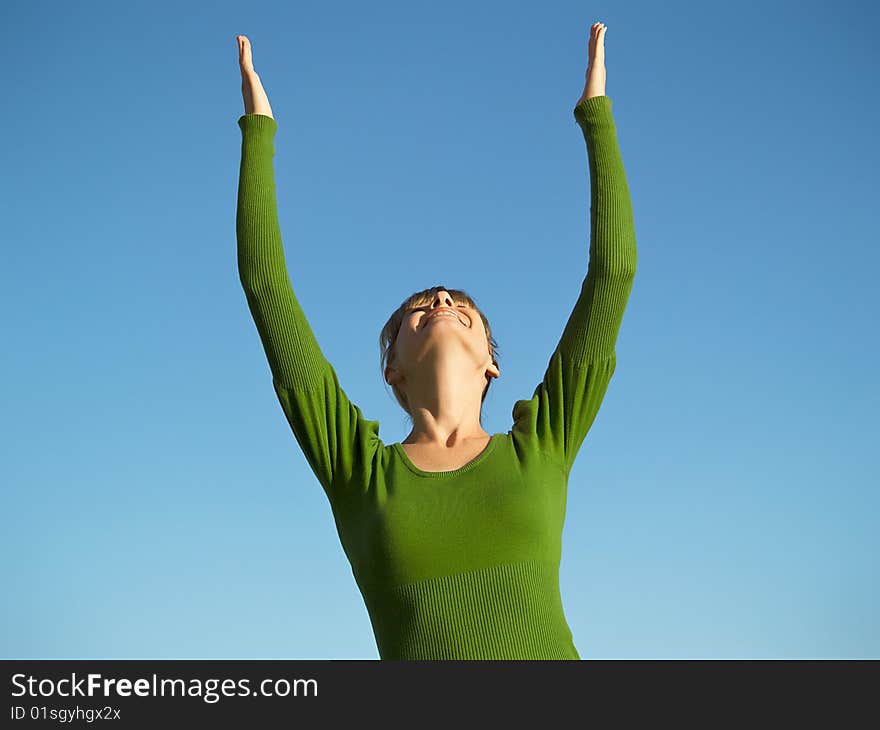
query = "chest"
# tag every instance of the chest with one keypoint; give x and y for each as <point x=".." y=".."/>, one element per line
<point x="425" y="527"/>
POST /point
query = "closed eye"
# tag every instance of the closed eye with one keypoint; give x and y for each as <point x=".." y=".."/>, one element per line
<point x="428" y="307"/>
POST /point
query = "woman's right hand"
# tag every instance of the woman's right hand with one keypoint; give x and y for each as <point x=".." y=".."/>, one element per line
<point x="595" y="75"/>
<point x="255" y="99"/>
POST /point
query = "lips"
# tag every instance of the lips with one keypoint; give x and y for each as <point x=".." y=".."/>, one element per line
<point x="440" y="313"/>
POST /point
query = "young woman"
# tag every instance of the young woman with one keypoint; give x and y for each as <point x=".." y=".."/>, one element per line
<point x="453" y="534"/>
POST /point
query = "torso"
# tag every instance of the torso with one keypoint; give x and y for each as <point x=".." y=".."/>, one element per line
<point x="431" y="458"/>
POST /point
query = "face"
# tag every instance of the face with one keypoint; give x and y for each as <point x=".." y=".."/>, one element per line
<point x="441" y="331"/>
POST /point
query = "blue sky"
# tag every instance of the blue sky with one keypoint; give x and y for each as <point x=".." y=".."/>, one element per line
<point x="156" y="503"/>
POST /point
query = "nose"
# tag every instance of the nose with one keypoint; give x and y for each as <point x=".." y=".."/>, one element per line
<point x="442" y="299"/>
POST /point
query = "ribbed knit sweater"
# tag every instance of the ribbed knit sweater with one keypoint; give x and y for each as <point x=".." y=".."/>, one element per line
<point x="460" y="564"/>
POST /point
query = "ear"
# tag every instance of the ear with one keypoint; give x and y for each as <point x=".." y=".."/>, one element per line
<point x="492" y="370"/>
<point x="392" y="376"/>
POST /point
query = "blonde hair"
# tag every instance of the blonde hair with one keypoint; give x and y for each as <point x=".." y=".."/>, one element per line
<point x="388" y="336"/>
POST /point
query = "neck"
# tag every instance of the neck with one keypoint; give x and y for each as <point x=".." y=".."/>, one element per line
<point x="445" y="408"/>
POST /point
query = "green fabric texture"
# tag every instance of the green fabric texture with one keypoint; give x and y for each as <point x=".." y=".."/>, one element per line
<point x="459" y="564"/>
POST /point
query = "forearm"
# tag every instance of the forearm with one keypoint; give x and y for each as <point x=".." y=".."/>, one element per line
<point x="591" y="332"/>
<point x="612" y="225"/>
<point x="293" y="353"/>
<point x="260" y="250"/>
<point x="255" y="99"/>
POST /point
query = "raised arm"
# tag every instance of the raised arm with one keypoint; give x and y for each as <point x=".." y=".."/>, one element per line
<point x="338" y="442"/>
<point x="592" y="329"/>
<point x="566" y="402"/>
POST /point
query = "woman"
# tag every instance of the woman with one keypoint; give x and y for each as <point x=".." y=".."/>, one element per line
<point x="453" y="534"/>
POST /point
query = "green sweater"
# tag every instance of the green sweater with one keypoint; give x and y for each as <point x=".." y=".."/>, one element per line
<point x="460" y="564"/>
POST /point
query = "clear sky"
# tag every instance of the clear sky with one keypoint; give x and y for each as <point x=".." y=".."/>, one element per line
<point x="156" y="503"/>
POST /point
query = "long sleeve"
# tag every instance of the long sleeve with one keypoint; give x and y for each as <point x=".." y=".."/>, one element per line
<point x="336" y="439"/>
<point x="565" y="403"/>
